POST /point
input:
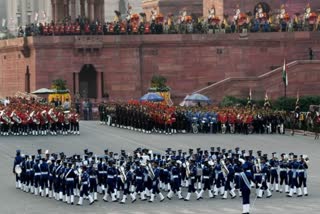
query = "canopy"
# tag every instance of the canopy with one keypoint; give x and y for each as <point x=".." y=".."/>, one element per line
<point x="43" y="91"/>
<point x="152" y="97"/>
<point x="198" y="98"/>
<point x="187" y="103"/>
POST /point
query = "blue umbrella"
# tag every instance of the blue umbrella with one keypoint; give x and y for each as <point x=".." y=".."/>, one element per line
<point x="152" y="97"/>
<point x="198" y="98"/>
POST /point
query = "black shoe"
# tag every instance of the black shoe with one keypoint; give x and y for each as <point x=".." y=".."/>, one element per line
<point x="133" y="201"/>
<point x="92" y="203"/>
<point x="169" y="198"/>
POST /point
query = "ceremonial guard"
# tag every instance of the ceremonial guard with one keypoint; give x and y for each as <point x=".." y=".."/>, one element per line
<point x="70" y="183"/>
<point x="245" y="186"/>
<point x="17" y="168"/>
<point x="84" y="190"/>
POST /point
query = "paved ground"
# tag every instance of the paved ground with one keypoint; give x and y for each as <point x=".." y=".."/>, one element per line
<point x="97" y="138"/>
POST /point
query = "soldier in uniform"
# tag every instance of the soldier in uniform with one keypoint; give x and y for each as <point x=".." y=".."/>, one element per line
<point x="84" y="190"/>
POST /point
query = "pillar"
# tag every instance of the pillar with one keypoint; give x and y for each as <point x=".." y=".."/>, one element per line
<point x="102" y="11"/>
<point x="66" y="8"/>
<point x="77" y="82"/>
<point x="82" y="8"/>
<point x="91" y="10"/>
<point x="99" y="86"/>
<point x="53" y="6"/>
<point x="56" y="11"/>
<point x="73" y="10"/>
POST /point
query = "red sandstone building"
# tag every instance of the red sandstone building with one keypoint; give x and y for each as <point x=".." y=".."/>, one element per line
<point x="122" y="66"/>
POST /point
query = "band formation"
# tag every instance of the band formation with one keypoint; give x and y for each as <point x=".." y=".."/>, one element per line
<point x="133" y="23"/>
<point x="216" y="172"/>
<point x="29" y="117"/>
<point x="151" y="117"/>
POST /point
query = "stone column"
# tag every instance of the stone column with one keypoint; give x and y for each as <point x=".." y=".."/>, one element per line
<point x="91" y="9"/>
<point x="77" y="82"/>
<point x="82" y="8"/>
<point x="99" y="86"/>
<point x="73" y="10"/>
<point x="53" y="6"/>
<point x="102" y="11"/>
<point x="56" y="11"/>
<point x="65" y="8"/>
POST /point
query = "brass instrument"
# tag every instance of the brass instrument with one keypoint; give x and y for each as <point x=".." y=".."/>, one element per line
<point x="257" y="164"/>
<point x="44" y="116"/>
<point x="15" y="117"/>
<point x="150" y="171"/>
<point x="123" y="176"/>
<point x="53" y="115"/>
<point x="34" y="119"/>
<point x="224" y="168"/>
<point x="5" y="117"/>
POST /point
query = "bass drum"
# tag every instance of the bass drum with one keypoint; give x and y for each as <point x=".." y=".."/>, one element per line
<point x="223" y="128"/>
<point x="195" y="128"/>
<point x="18" y="170"/>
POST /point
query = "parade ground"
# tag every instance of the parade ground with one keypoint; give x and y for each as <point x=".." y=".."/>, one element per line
<point x="97" y="138"/>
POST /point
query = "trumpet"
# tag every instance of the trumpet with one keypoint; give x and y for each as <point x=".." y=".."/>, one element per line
<point x="5" y="117"/>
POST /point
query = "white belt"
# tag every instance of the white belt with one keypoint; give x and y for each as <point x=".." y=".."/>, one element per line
<point x="138" y="178"/>
<point x="175" y="176"/>
<point x="237" y="174"/>
<point x="192" y="177"/>
<point x="205" y="177"/>
<point x="37" y="173"/>
<point x="70" y="179"/>
<point x="28" y="170"/>
<point x="110" y="176"/>
<point x="85" y="183"/>
<point x="273" y="168"/>
<point x="92" y="176"/>
<point x="300" y="170"/>
<point x="102" y="172"/>
<point x="44" y="173"/>
<point x="283" y="170"/>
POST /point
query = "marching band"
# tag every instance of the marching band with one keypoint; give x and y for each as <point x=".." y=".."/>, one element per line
<point x="24" y="118"/>
<point x="217" y="172"/>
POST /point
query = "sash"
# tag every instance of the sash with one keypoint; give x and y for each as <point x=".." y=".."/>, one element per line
<point x="245" y="179"/>
<point x="66" y="176"/>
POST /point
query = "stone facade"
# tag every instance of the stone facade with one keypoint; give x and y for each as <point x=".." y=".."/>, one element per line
<point x="228" y="6"/>
<point x="124" y="65"/>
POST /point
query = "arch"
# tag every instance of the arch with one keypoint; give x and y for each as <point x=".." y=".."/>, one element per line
<point x="88" y="81"/>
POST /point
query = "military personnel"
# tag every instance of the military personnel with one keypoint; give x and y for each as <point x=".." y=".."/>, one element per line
<point x="85" y="187"/>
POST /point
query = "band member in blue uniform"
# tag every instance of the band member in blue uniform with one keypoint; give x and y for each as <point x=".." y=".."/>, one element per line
<point x="17" y="161"/>
<point x="245" y="186"/>
<point x="84" y="190"/>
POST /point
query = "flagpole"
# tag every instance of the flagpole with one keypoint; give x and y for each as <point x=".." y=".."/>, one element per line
<point x="285" y="90"/>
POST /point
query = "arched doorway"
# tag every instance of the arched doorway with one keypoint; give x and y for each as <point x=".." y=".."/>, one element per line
<point x="266" y="8"/>
<point x="88" y="81"/>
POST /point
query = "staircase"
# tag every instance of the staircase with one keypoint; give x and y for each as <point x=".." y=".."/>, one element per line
<point x="303" y="76"/>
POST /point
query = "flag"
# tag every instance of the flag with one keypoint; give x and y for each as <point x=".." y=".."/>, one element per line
<point x="284" y="74"/>
<point x="298" y="98"/>
<point x="250" y="95"/>
<point x="3" y="22"/>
